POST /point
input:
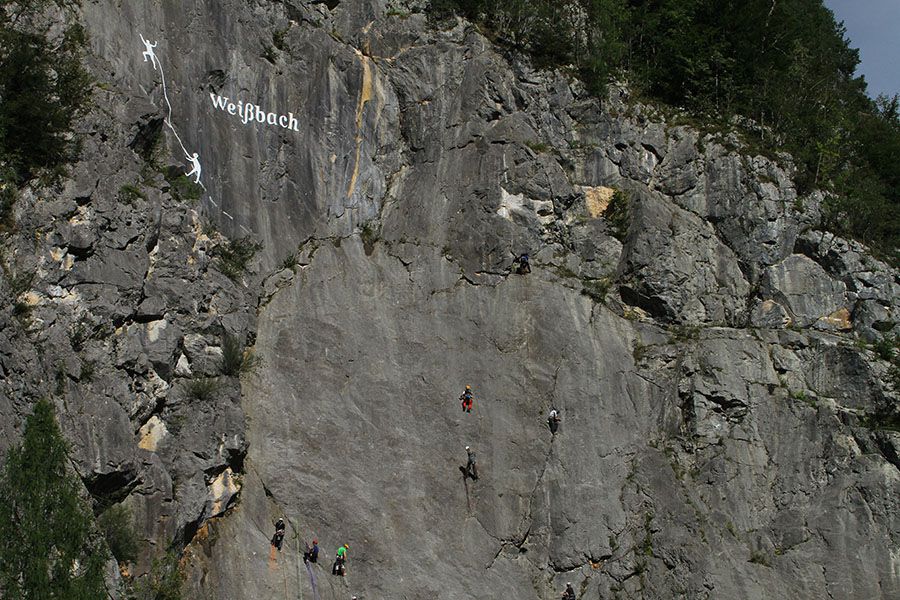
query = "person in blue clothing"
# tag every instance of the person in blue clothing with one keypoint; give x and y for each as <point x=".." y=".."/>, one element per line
<point x="312" y="554"/>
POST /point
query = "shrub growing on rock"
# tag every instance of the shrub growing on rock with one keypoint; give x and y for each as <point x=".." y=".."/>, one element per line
<point x="116" y="523"/>
<point x="234" y="256"/>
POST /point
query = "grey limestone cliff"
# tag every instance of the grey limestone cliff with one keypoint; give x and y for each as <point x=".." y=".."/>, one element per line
<point x="727" y="429"/>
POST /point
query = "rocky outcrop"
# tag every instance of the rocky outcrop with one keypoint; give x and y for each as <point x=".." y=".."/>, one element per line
<point x="117" y="290"/>
<point x="726" y="428"/>
<point x="804" y="290"/>
<point x="675" y="268"/>
<point x="872" y="286"/>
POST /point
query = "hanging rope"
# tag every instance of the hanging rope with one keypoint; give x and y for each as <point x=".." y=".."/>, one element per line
<point x="313" y="582"/>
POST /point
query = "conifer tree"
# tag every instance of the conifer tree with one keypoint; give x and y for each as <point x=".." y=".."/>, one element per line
<point x="49" y="548"/>
<point x="43" y="87"/>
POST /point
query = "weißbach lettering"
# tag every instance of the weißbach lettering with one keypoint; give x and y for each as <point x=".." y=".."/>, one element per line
<point x="254" y="113"/>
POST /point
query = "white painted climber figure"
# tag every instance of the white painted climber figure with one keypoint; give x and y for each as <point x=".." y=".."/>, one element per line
<point x="149" y="54"/>
<point x="195" y="161"/>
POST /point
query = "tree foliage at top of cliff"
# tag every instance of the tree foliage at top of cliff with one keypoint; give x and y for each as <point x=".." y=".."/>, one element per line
<point x="49" y="549"/>
<point x="43" y="86"/>
<point x="785" y="64"/>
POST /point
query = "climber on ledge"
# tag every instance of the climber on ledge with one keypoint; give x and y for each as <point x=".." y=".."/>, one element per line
<point x="338" y="568"/>
<point x="279" y="534"/>
<point x="467" y="399"/>
<point x="553" y="420"/>
<point x="569" y="594"/>
<point x="471" y="469"/>
<point x="522" y="264"/>
<point x="312" y="554"/>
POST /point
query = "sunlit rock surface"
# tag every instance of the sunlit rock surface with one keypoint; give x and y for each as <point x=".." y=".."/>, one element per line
<point x="726" y="429"/>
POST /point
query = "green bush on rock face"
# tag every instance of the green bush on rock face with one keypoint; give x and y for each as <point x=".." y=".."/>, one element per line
<point x="183" y="188"/>
<point x="234" y="256"/>
<point x="369" y="236"/>
<point x="130" y="193"/>
<point x="8" y="195"/>
<point x="43" y="89"/>
<point x="617" y="214"/>
<point x="163" y="582"/>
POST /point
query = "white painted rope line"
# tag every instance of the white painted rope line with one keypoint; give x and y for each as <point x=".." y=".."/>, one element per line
<point x="149" y="53"/>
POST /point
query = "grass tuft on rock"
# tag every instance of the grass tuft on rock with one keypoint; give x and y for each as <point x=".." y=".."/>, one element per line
<point x="596" y="289"/>
<point x="201" y="389"/>
<point x="236" y="359"/>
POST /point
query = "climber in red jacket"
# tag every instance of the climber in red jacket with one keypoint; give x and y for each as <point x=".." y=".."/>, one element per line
<point x="467" y="399"/>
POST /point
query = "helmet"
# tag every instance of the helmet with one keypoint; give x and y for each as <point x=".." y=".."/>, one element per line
<point x="468" y="387"/>
<point x="347" y="546"/>
<point x="569" y="584"/>
<point x="467" y="447"/>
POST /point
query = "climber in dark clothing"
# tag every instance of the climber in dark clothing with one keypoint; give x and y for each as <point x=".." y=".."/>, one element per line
<point x="278" y="538"/>
<point x="569" y="594"/>
<point x="523" y="265"/>
<point x="553" y="420"/>
<point x="312" y="554"/>
<point x="471" y="468"/>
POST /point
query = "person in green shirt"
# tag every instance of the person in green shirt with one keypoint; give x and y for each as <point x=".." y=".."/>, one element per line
<point x="340" y="559"/>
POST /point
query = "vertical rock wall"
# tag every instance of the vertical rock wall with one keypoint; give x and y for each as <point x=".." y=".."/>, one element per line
<point x="726" y="430"/>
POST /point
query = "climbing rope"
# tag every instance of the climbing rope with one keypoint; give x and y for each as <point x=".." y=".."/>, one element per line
<point x="284" y="578"/>
<point x="312" y="582"/>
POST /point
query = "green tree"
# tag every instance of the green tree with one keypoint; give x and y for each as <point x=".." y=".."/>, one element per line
<point x="601" y="50"/>
<point x="50" y="549"/>
<point x="43" y="87"/>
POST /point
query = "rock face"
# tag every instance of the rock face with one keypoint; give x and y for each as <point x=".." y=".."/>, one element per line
<point x="804" y="289"/>
<point x="726" y="430"/>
